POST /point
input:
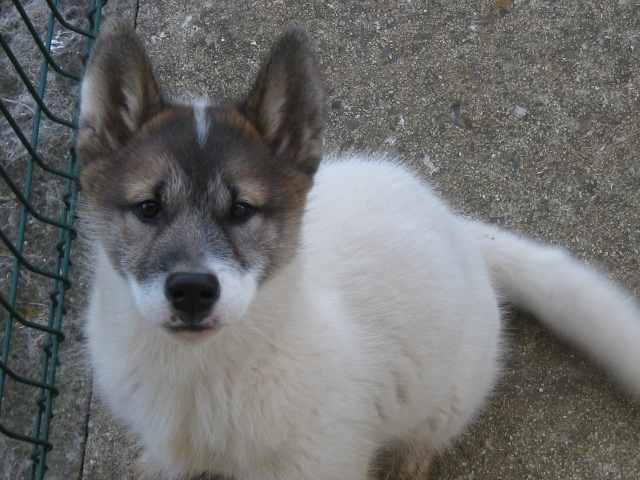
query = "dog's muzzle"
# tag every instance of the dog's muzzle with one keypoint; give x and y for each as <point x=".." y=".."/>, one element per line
<point x="192" y="296"/>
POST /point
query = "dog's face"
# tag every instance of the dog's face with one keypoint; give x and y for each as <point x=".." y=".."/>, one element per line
<point x="194" y="204"/>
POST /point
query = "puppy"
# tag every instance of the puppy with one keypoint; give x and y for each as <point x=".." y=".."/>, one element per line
<point x="266" y="313"/>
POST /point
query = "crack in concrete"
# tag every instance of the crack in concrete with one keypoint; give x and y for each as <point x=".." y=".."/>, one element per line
<point x="85" y="439"/>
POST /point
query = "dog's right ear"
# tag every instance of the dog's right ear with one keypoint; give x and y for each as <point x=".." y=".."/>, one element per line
<point x="119" y="92"/>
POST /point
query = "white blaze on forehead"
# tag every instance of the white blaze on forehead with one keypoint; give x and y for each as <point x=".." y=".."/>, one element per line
<point x="202" y="122"/>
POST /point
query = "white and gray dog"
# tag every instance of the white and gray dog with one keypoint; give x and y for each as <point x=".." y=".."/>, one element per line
<point x="265" y="313"/>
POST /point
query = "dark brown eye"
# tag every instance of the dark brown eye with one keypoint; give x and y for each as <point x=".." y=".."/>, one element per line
<point x="149" y="210"/>
<point x="241" y="211"/>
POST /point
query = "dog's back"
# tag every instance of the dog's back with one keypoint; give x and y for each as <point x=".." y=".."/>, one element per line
<point x="376" y="236"/>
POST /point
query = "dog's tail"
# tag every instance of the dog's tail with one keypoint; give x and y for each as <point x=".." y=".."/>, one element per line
<point x="574" y="301"/>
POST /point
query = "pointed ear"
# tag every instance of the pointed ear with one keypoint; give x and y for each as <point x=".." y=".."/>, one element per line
<point x="287" y="102"/>
<point x="119" y="92"/>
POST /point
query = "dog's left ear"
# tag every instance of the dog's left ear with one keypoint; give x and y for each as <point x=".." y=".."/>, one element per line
<point x="287" y="102"/>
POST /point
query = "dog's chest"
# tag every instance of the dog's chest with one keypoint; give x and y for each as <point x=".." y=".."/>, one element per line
<point x="222" y="416"/>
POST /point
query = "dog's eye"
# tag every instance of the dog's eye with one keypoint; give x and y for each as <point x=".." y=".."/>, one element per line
<point x="241" y="211"/>
<point x="148" y="210"/>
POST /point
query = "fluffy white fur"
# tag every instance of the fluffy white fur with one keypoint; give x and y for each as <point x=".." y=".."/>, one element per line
<point x="384" y="329"/>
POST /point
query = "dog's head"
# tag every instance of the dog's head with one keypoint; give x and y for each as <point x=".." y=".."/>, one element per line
<point x="194" y="204"/>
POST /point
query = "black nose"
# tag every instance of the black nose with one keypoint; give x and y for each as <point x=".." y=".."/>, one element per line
<point x="192" y="293"/>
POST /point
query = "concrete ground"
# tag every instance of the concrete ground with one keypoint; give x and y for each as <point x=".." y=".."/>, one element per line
<point x="523" y="114"/>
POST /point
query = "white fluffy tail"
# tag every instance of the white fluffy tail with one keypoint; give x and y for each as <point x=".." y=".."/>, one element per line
<point x="574" y="301"/>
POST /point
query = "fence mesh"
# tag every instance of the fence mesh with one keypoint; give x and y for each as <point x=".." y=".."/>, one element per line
<point x="44" y="44"/>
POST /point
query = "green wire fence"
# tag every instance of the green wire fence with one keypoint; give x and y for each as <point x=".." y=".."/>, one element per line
<point x="44" y="46"/>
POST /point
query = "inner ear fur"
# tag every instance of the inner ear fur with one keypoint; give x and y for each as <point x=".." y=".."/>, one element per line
<point x="287" y="103"/>
<point x="119" y="92"/>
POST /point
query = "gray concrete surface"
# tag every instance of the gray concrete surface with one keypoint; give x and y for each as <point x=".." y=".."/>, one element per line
<point x="525" y="114"/>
